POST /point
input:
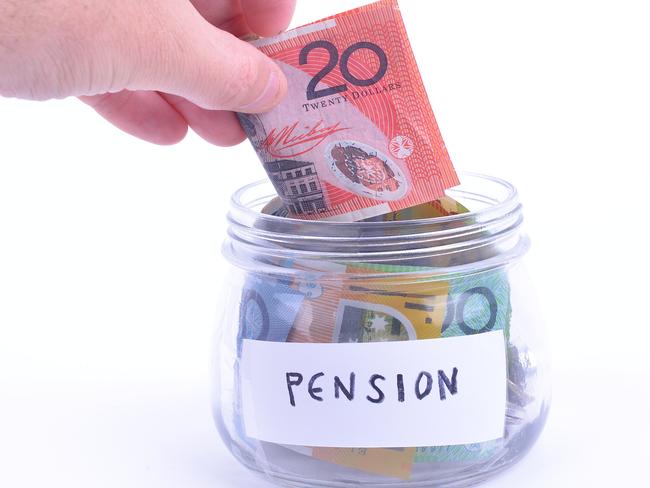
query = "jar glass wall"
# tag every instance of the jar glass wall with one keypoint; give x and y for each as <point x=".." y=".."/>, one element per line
<point x="304" y="282"/>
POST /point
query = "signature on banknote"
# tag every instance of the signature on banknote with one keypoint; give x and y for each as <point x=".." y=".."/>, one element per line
<point x="290" y="141"/>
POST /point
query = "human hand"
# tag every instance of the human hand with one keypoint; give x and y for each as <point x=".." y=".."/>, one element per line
<point x="152" y="68"/>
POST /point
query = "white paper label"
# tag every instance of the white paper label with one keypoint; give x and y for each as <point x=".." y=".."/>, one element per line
<point x="433" y="392"/>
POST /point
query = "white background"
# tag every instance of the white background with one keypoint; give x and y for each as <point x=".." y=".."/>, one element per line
<point x="110" y="265"/>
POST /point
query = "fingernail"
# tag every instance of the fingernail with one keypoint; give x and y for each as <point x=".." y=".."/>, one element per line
<point x="266" y="98"/>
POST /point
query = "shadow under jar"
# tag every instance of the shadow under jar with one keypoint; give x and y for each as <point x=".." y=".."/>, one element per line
<point x="402" y="353"/>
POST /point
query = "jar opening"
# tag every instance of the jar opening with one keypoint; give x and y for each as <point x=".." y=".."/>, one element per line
<point x="489" y="235"/>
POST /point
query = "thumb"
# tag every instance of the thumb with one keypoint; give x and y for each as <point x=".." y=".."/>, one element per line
<point x="208" y="66"/>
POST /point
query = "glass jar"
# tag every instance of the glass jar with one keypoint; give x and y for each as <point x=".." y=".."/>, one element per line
<point x="400" y="353"/>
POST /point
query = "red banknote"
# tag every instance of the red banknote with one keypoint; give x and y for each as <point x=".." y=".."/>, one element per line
<point x="355" y="137"/>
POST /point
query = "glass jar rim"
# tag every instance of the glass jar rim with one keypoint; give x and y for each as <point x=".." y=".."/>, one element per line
<point x="496" y="223"/>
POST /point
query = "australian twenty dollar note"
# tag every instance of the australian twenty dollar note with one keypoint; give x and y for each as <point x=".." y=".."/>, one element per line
<point x="355" y="137"/>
